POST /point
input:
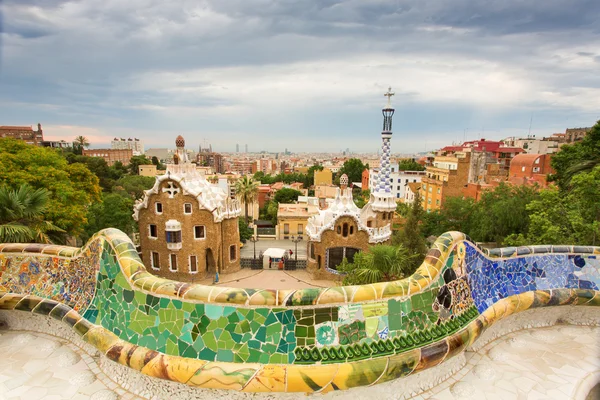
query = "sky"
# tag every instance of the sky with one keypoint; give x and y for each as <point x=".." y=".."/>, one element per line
<point x="304" y="75"/>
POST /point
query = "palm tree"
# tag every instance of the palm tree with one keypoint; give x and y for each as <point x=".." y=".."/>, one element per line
<point x="247" y="190"/>
<point x="21" y="216"/>
<point x="81" y="141"/>
<point x="381" y="263"/>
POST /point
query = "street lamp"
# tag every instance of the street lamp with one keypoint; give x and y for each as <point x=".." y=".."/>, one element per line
<point x="254" y="239"/>
<point x="296" y="240"/>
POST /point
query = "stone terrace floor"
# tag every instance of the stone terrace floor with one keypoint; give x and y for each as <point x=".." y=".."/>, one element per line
<point x="544" y="363"/>
<point x="269" y="279"/>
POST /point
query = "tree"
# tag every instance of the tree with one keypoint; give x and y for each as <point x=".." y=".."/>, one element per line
<point x="354" y="168"/>
<point x="247" y="191"/>
<point x="72" y="188"/>
<point x="381" y="263"/>
<point x="114" y="211"/>
<point x="106" y="175"/>
<point x="82" y="141"/>
<point x="572" y="159"/>
<point x="22" y="216"/>
<point x="245" y="231"/>
<point x="362" y="198"/>
<point x="311" y="175"/>
<point x="133" y="186"/>
<point x="135" y="162"/>
<point x="287" y="195"/>
<point x="410" y="165"/>
<point x="410" y="237"/>
<point x="559" y="218"/>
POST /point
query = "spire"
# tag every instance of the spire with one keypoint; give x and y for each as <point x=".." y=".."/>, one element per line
<point x="383" y="180"/>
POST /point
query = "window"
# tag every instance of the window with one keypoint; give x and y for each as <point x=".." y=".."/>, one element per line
<point x="187" y="208"/>
<point x="428" y="201"/>
<point x="437" y="202"/>
<point x="391" y="215"/>
<point x="384" y="216"/>
<point x="414" y="180"/>
<point x="286" y="229"/>
<point x="430" y="189"/>
<point x="397" y="187"/>
<point x="339" y="229"/>
<point x="173" y="262"/>
<point x="352" y="229"/>
<point x="398" y="195"/>
<point x="158" y="208"/>
<point x="312" y="251"/>
<point x="173" y="236"/>
<point x="300" y="229"/>
<point x="152" y="232"/>
<point x="536" y="169"/>
<point x="439" y="191"/>
<point x="154" y="260"/>
<point x="345" y="230"/>
<point x="537" y="160"/>
<point x="369" y="223"/>
<point x="232" y="253"/>
<point x="399" y="180"/>
<point x="522" y="169"/>
<point x="199" y="232"/>
<point x="193" y="264"/>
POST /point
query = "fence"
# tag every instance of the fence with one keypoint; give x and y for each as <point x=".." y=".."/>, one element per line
<point x="265" y="231"/>
<point x="289" y="264"/>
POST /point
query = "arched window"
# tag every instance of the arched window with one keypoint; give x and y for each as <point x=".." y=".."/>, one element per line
<point x="345" y="230"/>
<point x="352" y="229"/>
<point x="339" y="229"/>
<point x="384" y="216"/>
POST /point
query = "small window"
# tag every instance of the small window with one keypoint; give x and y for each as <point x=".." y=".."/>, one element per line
<point x="286" y="229"/>
<point x="154" y="260"/>
<point x="312" y="251"/>
<point x="232" y="252"/>
<point x="193" y="264"/>
<point x="152" y="231"/>
<point x="430" y="189"/>
<point x="522" y="169"/>
<point x="369" y="223"/>
<point x="300" y="229"/>
<point x="384" y="216"/>
<point x="439" y="190"/>
<point x="345" y="230"/>
<point x="173" y="236"/>
<point x="187" y="208"/>
<point x="199" y="232"/>
<point x="339" y="230"/>
<point x="352" y="229"/>
<point x="398" y="195"/>
<point x="437" y="202"/>
<point x="158" y="208"/>
<point x="173" y="262"/>
<point x="391" y="215"/>
<point x="536" y="169"/>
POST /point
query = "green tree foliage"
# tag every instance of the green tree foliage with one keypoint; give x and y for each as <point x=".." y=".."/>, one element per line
<point x="247" y="191"/>
<point x="133" y="186"/>
<point x="72" y="187"/>
<point x="114" y="211"/>
<point x="135" y="162"/>
<point x="354" y="168"/>
<point x="565" y="218"/>
<point x="106" y="175"/>
<point x="410" y="237"/>
<point x="245" y="231"/>
<point x="381" y="263"/>
<point x="159" y="166"/>
<point x="269" y="211"/>
<point x="311" y="175"/>
<point x="79" y="143"/>
<point x="362" y="198"/>
<point x="410" y="165"/>
<point x="22" y="217"/>
<point x="572" y="159"/>
<point x="287" y="195"/>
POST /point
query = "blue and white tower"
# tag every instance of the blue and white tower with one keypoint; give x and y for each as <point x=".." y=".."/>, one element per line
<point x="384" y="184"/>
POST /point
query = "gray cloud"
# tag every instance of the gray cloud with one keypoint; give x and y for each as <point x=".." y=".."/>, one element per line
<point x="111" y="62"/>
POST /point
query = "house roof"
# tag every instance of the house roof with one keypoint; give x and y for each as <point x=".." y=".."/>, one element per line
<point x="525" y="160"/>
<point x="16" y="128"/>
<point x="297" y="210"/>
<point x="414" y="186"/>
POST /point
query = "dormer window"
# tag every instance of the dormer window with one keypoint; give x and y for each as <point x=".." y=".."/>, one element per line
<point x="173" y="234"/>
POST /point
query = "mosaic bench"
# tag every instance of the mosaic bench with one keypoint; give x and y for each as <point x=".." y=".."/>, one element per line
<point x="306" y="340"/>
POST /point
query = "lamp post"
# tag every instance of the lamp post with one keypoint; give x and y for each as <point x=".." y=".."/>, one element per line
<point x="296" y="240"/>
<point x="254" y="239"/>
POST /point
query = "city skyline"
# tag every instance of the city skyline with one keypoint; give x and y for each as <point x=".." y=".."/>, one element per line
<point x="307" y="77"/>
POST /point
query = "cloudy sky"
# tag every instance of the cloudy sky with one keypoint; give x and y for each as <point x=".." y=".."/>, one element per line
<point x="307" y="75"/>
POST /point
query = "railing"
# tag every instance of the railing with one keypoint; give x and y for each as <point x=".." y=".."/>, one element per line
<point x="292" y="264"/>
<point x="265" y="231"/>
<point x="251" y="263"/>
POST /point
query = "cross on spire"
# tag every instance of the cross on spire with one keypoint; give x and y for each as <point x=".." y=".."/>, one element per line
<point x="389" y="95"/>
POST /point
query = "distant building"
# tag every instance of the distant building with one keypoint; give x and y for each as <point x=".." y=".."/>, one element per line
<point x="528" y="169"/>
<point x="147" y="170"/>
<point x="398" y="180"/>
<point x="135" y="145"/>
<point x="56" y="144"/>
<point x="326" y="191"/>
<point x="323" y="177"/>
<point x="292" y="219"/>
<point x="365" y="179"/>
<point x="242" y="167"/>
<point x="412" y="188"/>
<point x="573" y="135"/>
<point x="25" y="133"/>
<point x="109" y="155"/>
<point x="162" y="154"/>
<point x="445" y="178"/>
<point x="208" y="158"/>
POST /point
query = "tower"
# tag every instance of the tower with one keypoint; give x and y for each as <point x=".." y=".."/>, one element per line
<point x="382" y="204"/>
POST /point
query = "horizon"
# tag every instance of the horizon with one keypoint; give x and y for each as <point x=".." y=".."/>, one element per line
<point x="231" y="72"/>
